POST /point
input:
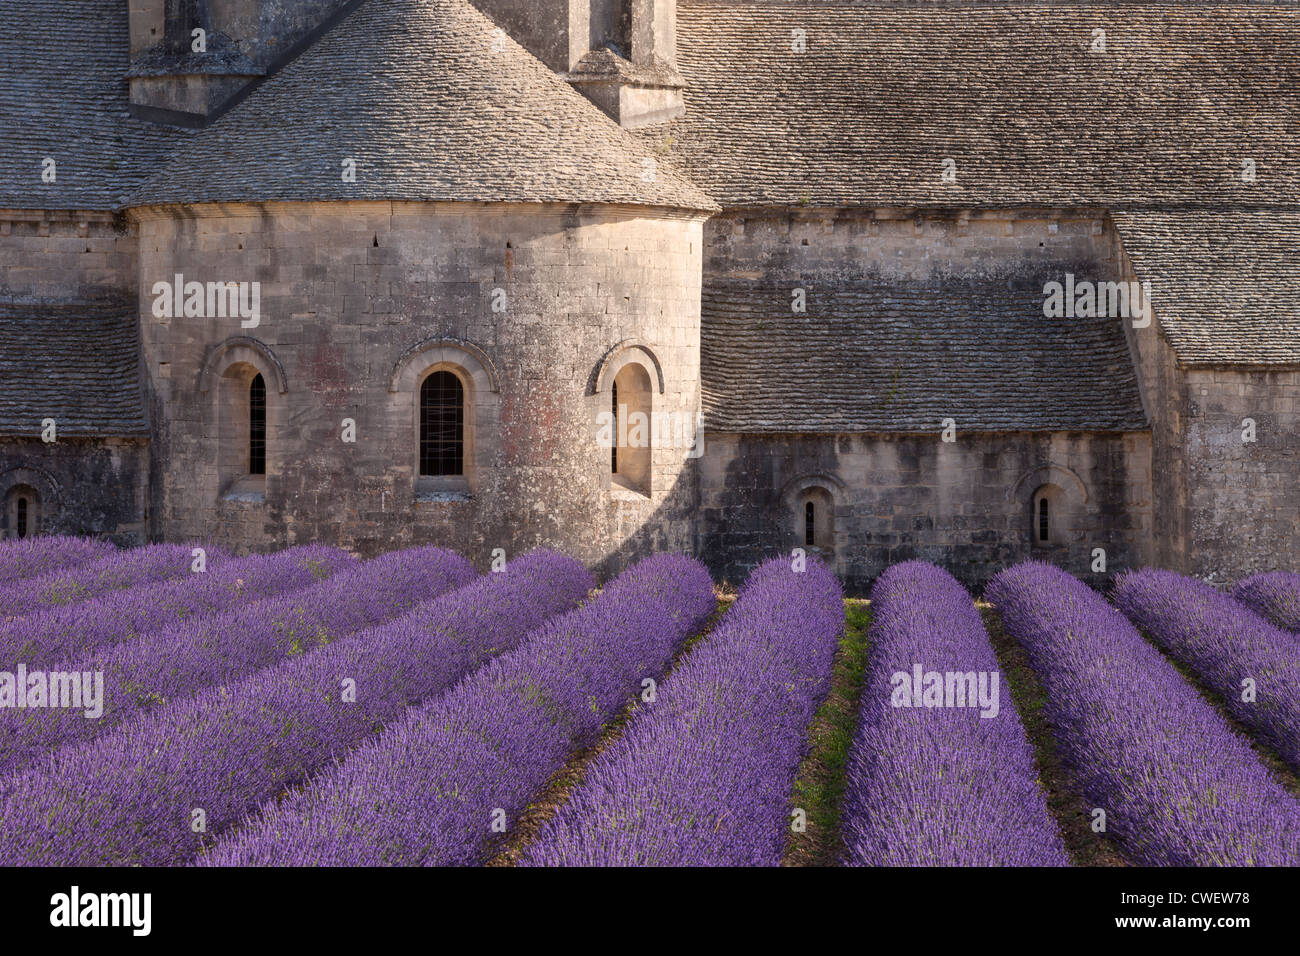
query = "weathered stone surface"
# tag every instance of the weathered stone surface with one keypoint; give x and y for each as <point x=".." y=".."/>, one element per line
<point x="348" y="292"/>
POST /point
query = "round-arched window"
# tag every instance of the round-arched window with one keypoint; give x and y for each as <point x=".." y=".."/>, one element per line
<point x="1047" y="517"/>
<point x="22" y="512"/>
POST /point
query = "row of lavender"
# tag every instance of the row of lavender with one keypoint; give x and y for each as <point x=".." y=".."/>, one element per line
<point x="227" y="691"/>
<point x="941" y="771"/>
<point x="218" y="726"/>
<point x="1176" y="784"/>
<point x="704" y="776"/>
<point x="32" y="557"/>
<point x="316" y="681"/>
<point x="438" y="784"/>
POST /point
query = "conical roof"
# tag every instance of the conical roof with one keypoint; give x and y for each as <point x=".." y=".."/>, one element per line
<point x="433" y="103"/>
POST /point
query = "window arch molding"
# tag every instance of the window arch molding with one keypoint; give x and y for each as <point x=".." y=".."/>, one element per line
<point x="625" y="353"/>
<point x="824" y="492"/>
<point x="1049" y="474"/>
<point x="481" y="395"/>
<point x="1053" y="498"/>
<point x="417" y="361"/>
<point x="245" y="350"/>
<point x="225" y="379"/>
<point x="46" y="488"/>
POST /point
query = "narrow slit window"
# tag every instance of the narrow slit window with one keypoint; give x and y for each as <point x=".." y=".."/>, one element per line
<point x="1043" y="524"/>
<point x="442" y="425"/>
<point x="257" y="426"/>
<point x="613" y="445"/>
<point x="21" y="519"/>
<point x="810" y="524"/>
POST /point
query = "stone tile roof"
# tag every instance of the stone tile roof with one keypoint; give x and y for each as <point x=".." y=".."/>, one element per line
<point x="77" y="364"/>
<point x="902" y="355"/>
<point x="1225" y="284"/>
<point x="433" y="104"/>
<point x="1012" y="92"/>
<point x="63" y="94"/>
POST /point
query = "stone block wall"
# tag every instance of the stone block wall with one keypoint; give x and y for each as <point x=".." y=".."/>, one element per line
<point x="357" y="301"/>
<point x="1224" y="507"/>
<point x="65" y="256"/>
<point x="781" y="244"/>
<point x="964" y="505"/>
<point x="1244" y="496"/>
<point x="85" y="487"/>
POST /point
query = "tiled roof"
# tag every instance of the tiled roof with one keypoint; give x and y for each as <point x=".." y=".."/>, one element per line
<point x="1013" y="93"/>
<point x="63" y="95"/>
<point x="77" y="364"/>
<point x="1225" y="284"/>
<point x="902" y="355"/>
<point x="433" y="103"/>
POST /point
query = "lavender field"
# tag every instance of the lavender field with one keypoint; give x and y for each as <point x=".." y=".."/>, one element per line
<point x="176" y="705"/>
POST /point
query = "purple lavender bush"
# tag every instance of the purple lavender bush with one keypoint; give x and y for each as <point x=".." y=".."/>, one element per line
<point x="117" y="571"/>
<point x="125" y="799"/>
<point x="69" y="633"/>
<point x="702" y="777"/>
<point x="430" y="789"/>
<point x="1225" y="645"/>
<point x="177" y="662"/>
<point x="939" y="779"/>
<point x="1179" y="786"/>
<point x="1274" y="595"/>
<point x="43" y="555"/>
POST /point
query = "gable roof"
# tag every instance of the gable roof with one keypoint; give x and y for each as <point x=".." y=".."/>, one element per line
<point x="1225" y="284"/>
<point x="63" y="95"/>
<point x="77" y="364"/>
<point x="433" y="103"/>
<point x="1012" y="92"/>
<point x="896" y="355"/>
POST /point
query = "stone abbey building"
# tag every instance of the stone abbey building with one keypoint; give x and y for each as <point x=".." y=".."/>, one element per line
<point x="970" y="282"/>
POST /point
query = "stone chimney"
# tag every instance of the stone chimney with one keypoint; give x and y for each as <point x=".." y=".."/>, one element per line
<point x="620" y="54"/>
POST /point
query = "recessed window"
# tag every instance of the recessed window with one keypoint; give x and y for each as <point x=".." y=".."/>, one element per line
<point x="613" y="447"/>
<point x="257" y="426"/>
<point x="22" y="512"/>
<point x="1048" y="517"/>
<point x="244" y="413"/>
<point x="442" y="425"/>
<point x="814" y="519"/>
<point x="631" y="400"/>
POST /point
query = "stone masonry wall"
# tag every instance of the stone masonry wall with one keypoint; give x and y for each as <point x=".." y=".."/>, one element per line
<point x="348" y="290"/>
<point x="86" y="487"/>
<point x="965" y="505"/>
<point x="1244" y="501"/>
<point x="1224" y="507"/>
<point x="62" y="256"/>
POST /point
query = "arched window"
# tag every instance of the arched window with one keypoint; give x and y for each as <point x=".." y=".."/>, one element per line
<point x="22" y="512"/>
<point x="613" y="448"/>
<point x="257" y="426"/>
<point x="815" y="518"/>
<point x="1048" y="517"/>
<point x="442" y="425"/>
<point x="245" y="420"/>
<point x="633" y="429"/>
